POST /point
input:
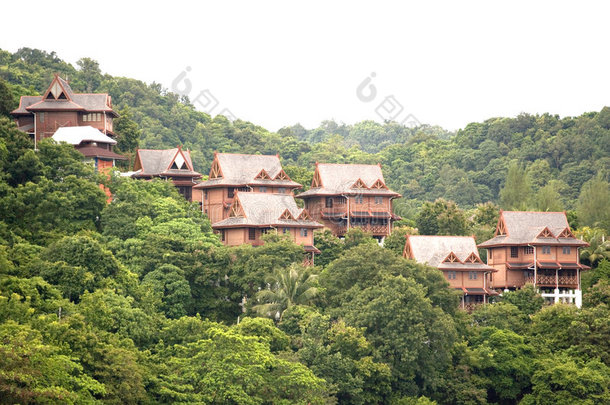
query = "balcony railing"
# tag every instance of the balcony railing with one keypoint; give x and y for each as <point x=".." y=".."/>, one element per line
<point x="551" y="280"/>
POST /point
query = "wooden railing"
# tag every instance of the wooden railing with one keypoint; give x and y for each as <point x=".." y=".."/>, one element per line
<point x="544" y="279"/>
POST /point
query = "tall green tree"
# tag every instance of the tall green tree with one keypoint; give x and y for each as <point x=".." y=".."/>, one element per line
<point x="516" y="191"/>
<point x="593" y="208"/>
<point x="441" y="217"/>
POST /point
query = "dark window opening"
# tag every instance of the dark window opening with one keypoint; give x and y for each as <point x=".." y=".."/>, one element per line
<point x="251" y="233"/>
<point x="514" y="251"/>
<point x="231" y="192"/>
<point x="186" y="192"/>
<point x="329" y="202"/>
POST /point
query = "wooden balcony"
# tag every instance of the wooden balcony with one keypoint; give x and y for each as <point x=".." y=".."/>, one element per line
<point x="552" y="281"/>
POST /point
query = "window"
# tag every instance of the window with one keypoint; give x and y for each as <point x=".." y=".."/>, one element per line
<point x="546" y="250"/>
<point x="251" y="233"/>
<point x="514" y="251"/>
<point x="303" y="231"/>
<point x="472" y="275"/>
<point x="222" y="235"/>
<point x="490" y="253"/>
<point x="451" y="275"/>
<point x="566" y="250"/>
<point x="329" y="202"/>
<point x="378" y="200"/>
<point x="205" y="194"/>
<point x="285" y="230"/>
<point x="231" y="192"/>
<point x="528" y="250"/>
<point x="262" y="189"/>
<point x="281" y="190"/>
<point x="92" y="117"/>
<point x="359" y="199"/>
<point x="41" y="117"/>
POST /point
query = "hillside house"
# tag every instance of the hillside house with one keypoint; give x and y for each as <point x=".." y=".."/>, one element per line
<point x="168" y="164"/>
<point x="59" y="106"/>
<point x="537" y="248"/>
<point x="458" y="258"/>
<point x="231" y="173"/>
<point x="344" y="196"/>
<point x="254" y="214"/>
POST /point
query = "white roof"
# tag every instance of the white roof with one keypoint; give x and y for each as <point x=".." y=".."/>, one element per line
<point x="76" y="135"/>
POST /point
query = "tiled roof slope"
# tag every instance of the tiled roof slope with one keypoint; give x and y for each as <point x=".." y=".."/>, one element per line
<point x="156" y="162"/>
<point x="266" y="209"/>
<point x="433" y="250"/>
<point x="98" y="102"/>
<point x="339" y="179"/>
<point x="238" y="169"/>
<point x="525" y="227"/>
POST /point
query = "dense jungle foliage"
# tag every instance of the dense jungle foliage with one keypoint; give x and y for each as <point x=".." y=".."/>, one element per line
<point x="137" y="301"/>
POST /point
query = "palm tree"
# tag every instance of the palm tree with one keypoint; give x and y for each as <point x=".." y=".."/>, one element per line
<point x="599" y="247"/>
<point x="294" y="285"/>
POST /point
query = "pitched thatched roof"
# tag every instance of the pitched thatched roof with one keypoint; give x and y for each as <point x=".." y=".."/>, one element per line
<point x="158" y="162"/>
<point x="534" y="228"/>
<point x="247" y="170"/>
<point x="445" y="252"/>
<point x="266" y="210"/>
<point x="338" y="179"/>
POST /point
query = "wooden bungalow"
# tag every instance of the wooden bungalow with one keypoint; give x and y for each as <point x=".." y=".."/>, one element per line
<point x="537" y="248"/>
<point x="92" y="143"/>
<point x="59" y="106"/>
<point x="254" y="214"/>
<point x="344" y="196"/>
<point x="245" y="173"/>
<point x="169" y="164"/>
<point x="458" y="258"/>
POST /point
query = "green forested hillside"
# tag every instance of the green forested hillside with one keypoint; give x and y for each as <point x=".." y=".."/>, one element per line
<point x="137" y="301"/>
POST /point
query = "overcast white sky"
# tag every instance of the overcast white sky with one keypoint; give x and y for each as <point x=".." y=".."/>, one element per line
<point x="277" y="63"/>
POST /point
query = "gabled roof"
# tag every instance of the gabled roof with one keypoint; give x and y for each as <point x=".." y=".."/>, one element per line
<point x="96" y="151"/>
<point x="266" y="210"/>
<point x="534" y="228"/>
<point x="60" y="97"/>
<point x="349" y="179"/>
<point x="159" y="162"/>
<point x="77" y="135"/>
<point x="243" y="170"/>
<point x="445" y="252"/>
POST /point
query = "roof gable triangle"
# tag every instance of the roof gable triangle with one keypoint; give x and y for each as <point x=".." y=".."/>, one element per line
<point x="451" y="258"/>
<point x="263" y="175"/>
<point x="359" y="184"/>
<point x="286" y="214"/>
<point x="56" y="91"/>
<point x="215" y="170"/>
<point x="473" y="258"/>
<point x="316" y="181"/>
<point x="379" y="184"/>
<point x="304" y="216"/>
<point x="178" y="162"/>
<point x="501" y="227"/>
<point x="236" y="209"/>
<point x="282" y="176"/>
<point x="545" y="233"/>
<point x="566" y="233"/>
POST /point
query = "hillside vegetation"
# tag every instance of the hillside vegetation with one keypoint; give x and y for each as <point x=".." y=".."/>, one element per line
<point x="138" y="301"/>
